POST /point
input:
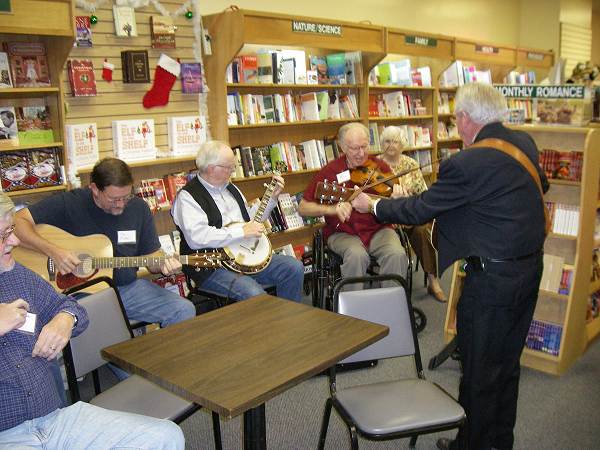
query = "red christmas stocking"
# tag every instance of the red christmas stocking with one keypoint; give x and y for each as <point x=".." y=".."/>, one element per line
<point x="165" y="75"/>
<point x="107" y="71"/>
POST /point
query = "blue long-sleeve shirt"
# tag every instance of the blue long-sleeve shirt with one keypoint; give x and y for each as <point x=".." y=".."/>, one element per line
<point x="27" y="389"/>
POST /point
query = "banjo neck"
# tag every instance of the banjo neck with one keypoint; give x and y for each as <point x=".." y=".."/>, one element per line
<point x="266" y="198"/>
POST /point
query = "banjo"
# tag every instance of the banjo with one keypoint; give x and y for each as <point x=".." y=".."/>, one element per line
<point x="250" y="254"/>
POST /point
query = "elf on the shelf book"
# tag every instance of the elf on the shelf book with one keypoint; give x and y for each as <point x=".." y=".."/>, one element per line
<point x="186" y="134"/>
<point x="133" y="140"/>
<point x="82" y="144"/>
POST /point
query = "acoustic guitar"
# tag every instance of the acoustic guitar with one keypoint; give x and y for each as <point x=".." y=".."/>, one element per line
<point x="103" y="262"/>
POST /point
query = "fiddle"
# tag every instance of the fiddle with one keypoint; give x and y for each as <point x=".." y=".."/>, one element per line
<point x="370" y="173"/>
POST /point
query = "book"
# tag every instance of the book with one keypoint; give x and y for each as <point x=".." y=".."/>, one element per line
<point x="5" y="79"/>
<point x="44" y="168"/>
<point x="249" y="69"/>
<point x="264" y="67"/>
<point x="319" y="63"/>
<point x="28" y="64"/>
<point x="162" y="32"/>
<point x="310" y="106"/>
<point x="336" y="68"/>
<point x="124" y="17"/>
<point x="133" y="140"/>
<point x="160" y="192"/>
<point x="83" y="31"/>
<point x="9" y="136"/>
<point x="82" y="144"/>
<point x="174" y="183"/>
<point x="81" y="77"/>
<point x="135" y="66"/>
<point x="14" y="169"/>
<point x="186" y="133"/>
<point x="191" y="78"/>
<point x="34" y="125"/>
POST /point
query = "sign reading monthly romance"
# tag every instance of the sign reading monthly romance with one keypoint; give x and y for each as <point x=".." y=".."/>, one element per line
<point x="574" y="91"/>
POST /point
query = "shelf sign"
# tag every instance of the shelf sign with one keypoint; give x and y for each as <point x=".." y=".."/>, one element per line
<point x="487" y="49"/>
<point x="5" y="6"/>
<point x="300" y="26"/>
<point x="565" y="91"/>
<point x="420" y="40"/>
<point x="532" y="56"/>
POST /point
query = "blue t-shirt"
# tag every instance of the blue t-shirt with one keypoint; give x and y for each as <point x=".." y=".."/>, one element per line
<point x="76" y="212"/>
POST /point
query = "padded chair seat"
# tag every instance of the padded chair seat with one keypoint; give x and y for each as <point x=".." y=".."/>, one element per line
<point x="398" y="406"/>
<point x="140" y="396"/>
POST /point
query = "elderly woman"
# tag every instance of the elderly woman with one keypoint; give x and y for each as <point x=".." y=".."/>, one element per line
<point x="393" y="143"/>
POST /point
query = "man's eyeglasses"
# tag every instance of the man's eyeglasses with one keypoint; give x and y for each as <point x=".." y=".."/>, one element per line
<point x="125" y="199"/>
<point x="362" y="148"/>
<point x="229" y="168"/>
<point x="6" y="233"/>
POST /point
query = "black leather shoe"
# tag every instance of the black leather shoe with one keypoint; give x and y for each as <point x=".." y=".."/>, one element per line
<point x="444" y="443"/>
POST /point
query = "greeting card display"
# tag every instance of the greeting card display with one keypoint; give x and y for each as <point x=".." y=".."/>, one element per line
<point x="186" y="134"/>
<point x="133" y="140"/>
<point x="82" y="144"/>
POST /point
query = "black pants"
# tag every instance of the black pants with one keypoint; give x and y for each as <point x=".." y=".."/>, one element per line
<point x="493" y="317"/>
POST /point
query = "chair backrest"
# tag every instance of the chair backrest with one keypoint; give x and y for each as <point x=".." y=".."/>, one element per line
<point x="107" y="326"/>
<point x="387" y="306"/>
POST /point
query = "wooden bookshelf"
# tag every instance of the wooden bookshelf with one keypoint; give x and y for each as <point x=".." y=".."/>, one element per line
<point x="55" y="29"/>
<point x="568" y="311"/>
<point x="244" y="32"/>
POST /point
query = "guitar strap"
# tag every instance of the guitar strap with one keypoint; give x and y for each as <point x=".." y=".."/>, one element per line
<point x="511" y="150"/>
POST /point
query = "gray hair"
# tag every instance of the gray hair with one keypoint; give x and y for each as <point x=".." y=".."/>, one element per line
<point x="208" y="154"/>
<point x="344" y="129"/>
<point x="7" y="207"/>
<point x="393" y="134"/>
<point x="482" y="102"/>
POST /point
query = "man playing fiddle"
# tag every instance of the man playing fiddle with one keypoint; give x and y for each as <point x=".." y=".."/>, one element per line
<point x="353" y="235"/>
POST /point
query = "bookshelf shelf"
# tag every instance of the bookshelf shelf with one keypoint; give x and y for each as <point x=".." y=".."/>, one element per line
<point x="42" y="190"/>
<point x="29" y="92"/>
<point x="443" y="141"/>
<point x="448" y="89"/>
<point x="295" y="236"/>
<point x="292" y="124"/>
<point x="31" y="147"/>
<point x="149" y="162"/>
<point x="400" y="118"/>
<point x="576" y="251"/>
<point x="269" y="176"/>
<point x="380" y="87"/>
<point x="445" y="115"/>
<point x="287" y="86"/>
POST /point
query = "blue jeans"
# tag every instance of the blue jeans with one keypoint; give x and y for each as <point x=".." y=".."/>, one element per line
<point x="285" y="272"/>
<point x="83" y="425"/>
<point x="148" y="302"/>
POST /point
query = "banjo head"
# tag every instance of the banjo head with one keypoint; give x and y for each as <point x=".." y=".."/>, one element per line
<point x="250" y="255"/>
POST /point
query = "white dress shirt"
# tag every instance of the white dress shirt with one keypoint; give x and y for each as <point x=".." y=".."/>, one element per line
<point x="193" y="221"/>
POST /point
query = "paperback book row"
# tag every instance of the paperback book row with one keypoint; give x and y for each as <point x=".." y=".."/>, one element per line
<point x="284" y="157"/>
<point x="414" y="136"/>
<point x="134" y="140"/>
<point x="458" y="73"/>
<point x="562" y="165"/>
<point x="400" y="73"/>
<point x="30" y="169"/>
<point x="515" y="77"/>
<point x="564" y="218"/>
<point x="396" y="104"/>
<point x="446" y="103"/>
<point x="544" y="337"/>
<point x="290" y="67"/>
<point x="447" y="129"/>
<point x="25" y="125"/>
<point x="557" y="276"/>
<point x="251" y="109"/>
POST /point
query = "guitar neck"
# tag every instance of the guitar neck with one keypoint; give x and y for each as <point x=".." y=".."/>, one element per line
<point x="119" y="262"/>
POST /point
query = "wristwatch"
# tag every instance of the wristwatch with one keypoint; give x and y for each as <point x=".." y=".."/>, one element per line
<point x="372" y="204"/>
<point x="72" y="315"/>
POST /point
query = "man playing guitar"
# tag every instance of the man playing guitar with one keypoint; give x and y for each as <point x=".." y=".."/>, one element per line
<point x="212" y="213"/>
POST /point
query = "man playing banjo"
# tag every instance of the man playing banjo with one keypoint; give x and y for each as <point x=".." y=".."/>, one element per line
<point x="212" y="213"/>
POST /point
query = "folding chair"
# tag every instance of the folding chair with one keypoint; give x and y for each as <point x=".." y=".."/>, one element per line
<point x="108" y="326"/>
<point x="403" y="407"/>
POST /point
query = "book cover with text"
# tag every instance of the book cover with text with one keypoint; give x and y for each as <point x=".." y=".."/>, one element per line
<point x="133" y="140"/>
<point x="82" y="144"/>
<point x="186" y="133"/>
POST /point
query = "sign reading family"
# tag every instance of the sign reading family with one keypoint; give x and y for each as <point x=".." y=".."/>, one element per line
<point x="301" y="26"/>
<point x="575" y="91"/>
<point x="420" y="40"/>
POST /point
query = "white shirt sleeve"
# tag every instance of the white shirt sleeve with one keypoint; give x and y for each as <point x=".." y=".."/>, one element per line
<point x="193" y="222"/>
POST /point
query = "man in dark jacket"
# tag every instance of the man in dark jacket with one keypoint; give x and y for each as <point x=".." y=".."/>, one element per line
<point x="488" y="210"/>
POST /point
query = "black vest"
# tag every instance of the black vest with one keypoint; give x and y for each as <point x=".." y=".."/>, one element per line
<point x="208" y="205"/>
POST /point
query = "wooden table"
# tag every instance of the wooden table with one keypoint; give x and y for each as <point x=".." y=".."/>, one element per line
<point x="234" y="359"/>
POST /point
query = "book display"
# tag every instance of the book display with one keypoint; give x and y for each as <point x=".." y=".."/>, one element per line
<point x="82" y="145"/>
<point x="30" y="98"/>
<point x="564" y="323"/>
<point x="259" y="81"/>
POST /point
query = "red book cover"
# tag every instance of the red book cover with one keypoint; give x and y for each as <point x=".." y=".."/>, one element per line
<point x="249" y="69"/>
<point x="373" y="105"/>
<point x="81" y="77"/>
<point x="173" y="184"/>
<point x="28" y="64"/>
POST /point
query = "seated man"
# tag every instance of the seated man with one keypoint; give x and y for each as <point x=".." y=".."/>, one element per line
<point x="108" y="207"/>
<point x="30" y="411"/>
<point x="353" y="235"/>
<point x="202" y="211"/>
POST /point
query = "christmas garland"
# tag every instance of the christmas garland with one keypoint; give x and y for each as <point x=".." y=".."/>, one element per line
<point x="189" y="9"/>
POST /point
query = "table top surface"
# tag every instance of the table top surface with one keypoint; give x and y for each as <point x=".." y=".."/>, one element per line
<point x="240" y="356"/>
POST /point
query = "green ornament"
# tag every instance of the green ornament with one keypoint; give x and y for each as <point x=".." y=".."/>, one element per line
<point x="93" y="19"/>
<point x="189" y="15"/>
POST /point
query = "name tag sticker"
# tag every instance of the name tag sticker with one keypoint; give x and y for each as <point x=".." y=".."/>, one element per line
<point x="344" y="176"/>
<point x="29" y="325"/>
<point x="126" y="237"/>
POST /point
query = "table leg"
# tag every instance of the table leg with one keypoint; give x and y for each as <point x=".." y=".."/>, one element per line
<point x="255" y="429"/>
